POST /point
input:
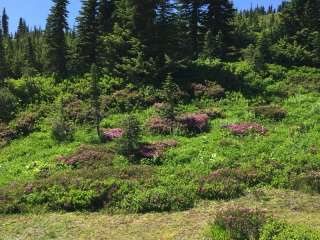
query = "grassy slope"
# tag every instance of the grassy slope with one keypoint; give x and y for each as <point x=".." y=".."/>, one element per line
<point x="293" y="207"/>
<point x="23" y="158"/>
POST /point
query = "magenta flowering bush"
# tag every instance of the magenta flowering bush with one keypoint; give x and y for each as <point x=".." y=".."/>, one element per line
<point x="155" y="150"/>
<point x="194" y="122"/>
<point x="246" y="128"/>
<point x="158" y="125"/>
<point x="112" y="133"/>
<point x="87" y="156"/>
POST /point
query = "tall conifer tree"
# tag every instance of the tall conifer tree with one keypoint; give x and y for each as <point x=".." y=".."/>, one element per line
<point x="56" y="52"/>
<point x="5" y="23"/>
<point x="3" y="67"/>
<point x="87" y="30"/>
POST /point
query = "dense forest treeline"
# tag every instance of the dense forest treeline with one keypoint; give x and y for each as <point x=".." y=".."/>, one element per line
<point x="143" y="40"/>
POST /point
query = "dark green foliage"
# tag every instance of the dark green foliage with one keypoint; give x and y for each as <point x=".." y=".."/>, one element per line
<point x="130" y="142"/>
<point x="219" y="24"/>
<point x="8" y="105"/>
<point x="105" y="16"/>
<point x="62" y="131"/>
<point x="271" y="111"/>
<point x="3" y="65"/>
<point x="22" y="29"/>
<point x="87" y="31"/>
<point x="56" y="48"/>
<point x="5" y="23"/>
<point x="168" y="110"/>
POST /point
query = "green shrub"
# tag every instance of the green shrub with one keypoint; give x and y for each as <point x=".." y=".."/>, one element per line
<point x="241" y="223"/>
<point x="77" y="110"/>
<point x="271" y="111"/>
<point x="164" y="198"/>
<point x="277" y="230"/>
<point x="62" y="131"/>
<point x="25" y="89"/>
<point x="26" y="122"/>
<point x="123" y="100"/>
<point x="8" y="105"/>
<point x="218" y="233"/>
<point x="308" y="182"/>
<point x="228" y="183"/>
<point x="79" y="195"/>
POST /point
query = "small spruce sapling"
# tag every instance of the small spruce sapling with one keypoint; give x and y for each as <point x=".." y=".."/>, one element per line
<point x="170" y="93"/>
<point x="62" y="130"/>
<point x="130" y="142"/>
<point x="95" y="97"/>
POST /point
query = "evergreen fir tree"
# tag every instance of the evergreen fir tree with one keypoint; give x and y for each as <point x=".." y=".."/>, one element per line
<point x="29" y="58"/>
<point x="22" y="29"/>
<point x="213" y="45"/>
<point x="87" y="35"/>
<point x="191" y="9"/>
<point x="56" y="52"/>
<point x="219" y="19"/>
<point x="104" y="16"/>
<point x="5" y="23"/>
<point x="3" y="67"/>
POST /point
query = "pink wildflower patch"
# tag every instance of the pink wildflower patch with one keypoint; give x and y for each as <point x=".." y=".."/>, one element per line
<point x="154" y="150"/>
<point x="87" y="155"/>
<point x="111" y="134"/>
<point x="159" y="125"/>
<point x="246" y="128"/>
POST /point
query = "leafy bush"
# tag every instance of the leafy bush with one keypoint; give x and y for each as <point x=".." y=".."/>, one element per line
<point x="123" y="100"/>
<point x="221" y="184"/>
<point x="308" y="182"/>
<point x="82" y="195"/>
<point x="25" y="89"/>
<point x="277" y="230"/>
<point x="241" y="223"/>
<point x="218" y="233"/>
<point x="26" y="122"/>
<point x="8" y="105"/>
<point x="62" y="131"/>
<point x="77" y="110"/>
<point x="271" y="111"/>
<point x="228" y="183"/>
